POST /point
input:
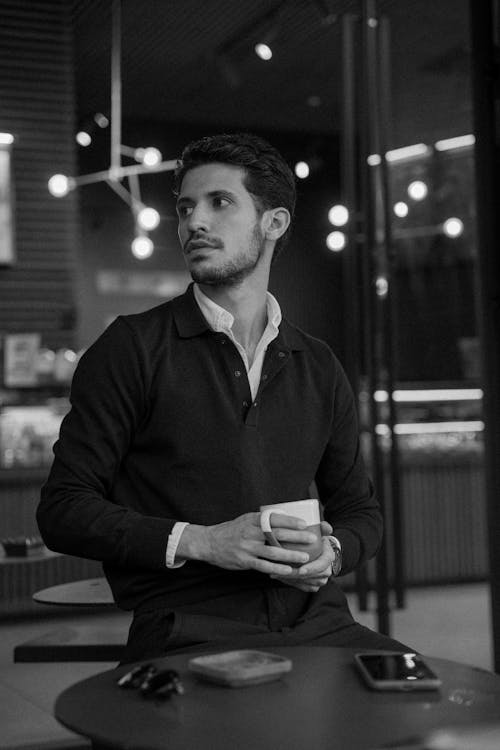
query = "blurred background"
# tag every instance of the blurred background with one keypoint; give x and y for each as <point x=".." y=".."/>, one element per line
<point x="372" y="104"/>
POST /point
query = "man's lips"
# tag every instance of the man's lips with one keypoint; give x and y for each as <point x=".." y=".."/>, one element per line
<point x="200" y="245"/>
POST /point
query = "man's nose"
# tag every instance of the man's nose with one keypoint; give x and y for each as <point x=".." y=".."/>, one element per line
<point x="198" y="219"/>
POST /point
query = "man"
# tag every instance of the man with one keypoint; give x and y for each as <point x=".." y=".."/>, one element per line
<point x="187" y="418"/>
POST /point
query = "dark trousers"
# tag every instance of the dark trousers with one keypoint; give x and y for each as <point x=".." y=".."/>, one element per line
<point x="259" y="618"/>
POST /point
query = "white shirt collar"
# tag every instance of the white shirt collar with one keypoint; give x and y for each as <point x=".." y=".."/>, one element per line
<point x="222" y="320"/>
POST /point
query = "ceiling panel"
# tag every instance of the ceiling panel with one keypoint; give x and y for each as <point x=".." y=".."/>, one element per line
<point x="192" y="61"/>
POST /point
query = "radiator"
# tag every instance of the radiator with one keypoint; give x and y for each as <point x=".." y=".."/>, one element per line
<point x="445" y="527"/>
<point x="445" y="535"/>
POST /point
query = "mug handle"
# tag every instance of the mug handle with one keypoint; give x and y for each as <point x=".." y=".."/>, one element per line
<point x="265" y="525"/>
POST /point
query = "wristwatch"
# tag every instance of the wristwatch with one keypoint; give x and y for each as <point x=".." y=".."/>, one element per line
<point x="337" y="551"/>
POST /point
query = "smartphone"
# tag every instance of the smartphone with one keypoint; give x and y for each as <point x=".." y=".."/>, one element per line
<point x="393" y="670"/>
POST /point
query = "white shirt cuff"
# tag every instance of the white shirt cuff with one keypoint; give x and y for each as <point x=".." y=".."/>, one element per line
<point x="172" y="544"/>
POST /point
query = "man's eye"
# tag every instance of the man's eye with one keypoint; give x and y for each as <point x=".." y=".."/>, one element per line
<point x="220" y="202"/>
<point x="184" y="210"/>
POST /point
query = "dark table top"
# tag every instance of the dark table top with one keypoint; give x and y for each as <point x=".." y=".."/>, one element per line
<point x="322" y="704"/>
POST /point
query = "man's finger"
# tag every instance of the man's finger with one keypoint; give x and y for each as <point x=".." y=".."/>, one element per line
<point x="275" y="570"/>
<point x="295" y="536"/>
<point x="326" y="529"/>
<point x="281" y="520"/>
<point x="317" y="569"/>
<point x="282" y="555"/>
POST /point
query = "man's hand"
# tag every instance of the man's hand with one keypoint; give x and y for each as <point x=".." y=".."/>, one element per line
<point x="312" y="576"/>
<point x="240" y="544"/>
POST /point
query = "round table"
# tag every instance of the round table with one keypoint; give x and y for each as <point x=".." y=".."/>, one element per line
<point x="87" y="593"/>
<point x="322" y="704"/>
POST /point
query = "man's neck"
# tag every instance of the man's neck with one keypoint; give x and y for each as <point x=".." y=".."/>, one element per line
<point x="247" y="303"/>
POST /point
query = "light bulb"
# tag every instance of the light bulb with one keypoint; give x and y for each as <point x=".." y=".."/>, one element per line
<point x="338" y="215"/>
<point x="83" y="138"/>
<point x="101" y="120"/>
<point x="336" y="241"/>
<point x="142" y="247"/>
<point x="401" y="209"/>
<point x="59" y="185"/>
<point x="381" y="286"/>
<point x="453" y="227"/>
<point x="418" y="190"/>
<point x="263" y="51"/>
<point x="148" y="218"/>
<point x="151" y="156"/>
<point x="302" y="170"/>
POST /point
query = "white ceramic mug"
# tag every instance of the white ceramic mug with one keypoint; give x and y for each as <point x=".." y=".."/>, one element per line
<point x="308" y="510"/>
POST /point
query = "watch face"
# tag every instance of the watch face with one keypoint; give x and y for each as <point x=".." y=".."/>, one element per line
<point x="337" y="563"/>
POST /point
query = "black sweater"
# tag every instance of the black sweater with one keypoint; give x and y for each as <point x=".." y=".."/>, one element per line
<point x="162" y="428"/>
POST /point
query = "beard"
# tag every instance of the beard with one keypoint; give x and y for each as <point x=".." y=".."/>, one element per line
<point x="235" y="270"/>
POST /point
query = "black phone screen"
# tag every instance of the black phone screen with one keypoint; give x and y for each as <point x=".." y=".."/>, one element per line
<point x="404" y="667"/>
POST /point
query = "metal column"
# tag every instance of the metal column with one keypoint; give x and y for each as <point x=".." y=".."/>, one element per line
<point x="485" y="28"/>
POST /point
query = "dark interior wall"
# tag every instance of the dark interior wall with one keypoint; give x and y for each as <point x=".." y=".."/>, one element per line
<point x="37" y="107"/>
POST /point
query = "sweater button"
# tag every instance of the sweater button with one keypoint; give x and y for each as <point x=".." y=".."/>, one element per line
<point x="264" y="377"/>
<point x="237" y="373"/>
<point x="281" y="354"/>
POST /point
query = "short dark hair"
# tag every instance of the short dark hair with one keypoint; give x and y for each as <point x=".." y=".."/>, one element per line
<point x="268" y="178"/>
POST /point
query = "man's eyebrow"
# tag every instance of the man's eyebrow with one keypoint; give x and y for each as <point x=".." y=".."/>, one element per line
<point x="211" y="194"/>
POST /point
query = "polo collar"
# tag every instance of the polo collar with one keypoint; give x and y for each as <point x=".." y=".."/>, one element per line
<point x="188" y="316"/>
<point x="190" y="322"/>
<point x="288" y="337"/>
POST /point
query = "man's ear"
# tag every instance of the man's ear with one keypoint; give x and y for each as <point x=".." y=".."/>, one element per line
<point x="276" y="222"/>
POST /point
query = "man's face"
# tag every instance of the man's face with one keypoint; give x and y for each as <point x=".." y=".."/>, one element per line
<point x="219" y="228"/>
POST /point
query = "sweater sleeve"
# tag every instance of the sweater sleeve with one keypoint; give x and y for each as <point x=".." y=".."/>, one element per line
<point x="76" y="516"/>
<point x="345" y="489"/>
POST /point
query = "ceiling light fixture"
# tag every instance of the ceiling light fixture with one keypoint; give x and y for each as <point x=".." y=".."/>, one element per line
<point x="302" y="170"/>
<point x="148" y="218"/>
<point x="328" y="17"/>
<point x="453" y="227"/>
<point x="150" y="159"/>
<point x="258" y="35"/>
<point x="101" y="120"/>
<point x="336" y="241"/>
<point x="460" y="141"/>
<point x="418" y="190"/>
<point x="338" y="215"/>
<point x="263" y="51"/>
<point x="83" y="138"/>
<point x="142" y="247"/>
<point x="407" y="152"/>
<point x="401" y="209"/>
